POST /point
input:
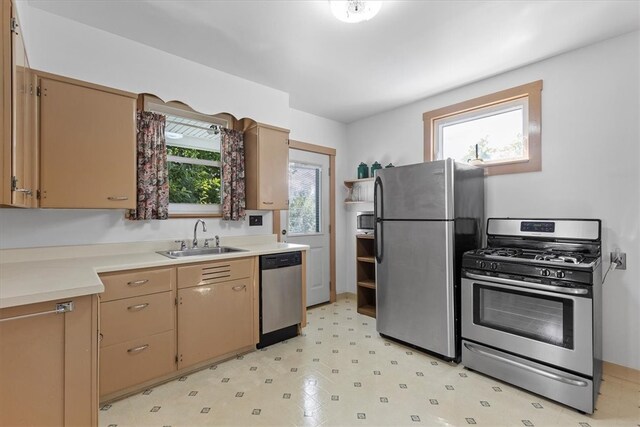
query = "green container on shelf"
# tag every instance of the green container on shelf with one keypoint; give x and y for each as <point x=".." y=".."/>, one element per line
<point x="374" y="167"/>
<point x="363" y="171"/>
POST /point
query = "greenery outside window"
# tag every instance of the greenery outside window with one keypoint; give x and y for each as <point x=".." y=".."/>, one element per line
<point x="193" y="159"/>
<point x="304" y="198"/>
<point x="499" y="132"/>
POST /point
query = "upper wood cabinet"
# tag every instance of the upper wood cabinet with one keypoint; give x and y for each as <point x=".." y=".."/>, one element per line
<point x="18" y="171"/>
<point x="87" y="145"/>
<point x="266" y="167"/>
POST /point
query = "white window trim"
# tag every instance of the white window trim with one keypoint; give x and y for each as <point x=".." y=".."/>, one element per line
<point x="481" y="113"/>
<point x="189" y="160"/>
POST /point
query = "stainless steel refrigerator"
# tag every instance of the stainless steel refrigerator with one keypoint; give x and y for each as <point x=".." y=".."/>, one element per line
<point x="427" y="215"/>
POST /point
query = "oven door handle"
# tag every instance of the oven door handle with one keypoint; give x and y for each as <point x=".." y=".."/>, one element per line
<point x="542" y="372"/>
<point x="551" y="288"/>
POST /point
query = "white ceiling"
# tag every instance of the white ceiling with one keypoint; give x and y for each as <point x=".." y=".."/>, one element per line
<point x="411" y="50"/>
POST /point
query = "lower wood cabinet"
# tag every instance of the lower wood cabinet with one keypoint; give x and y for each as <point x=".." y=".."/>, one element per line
<point x="137" y="329"/>
<point x="214" y="320"/>
<point x="156" y="323"/>
<point x="49" y="365"/>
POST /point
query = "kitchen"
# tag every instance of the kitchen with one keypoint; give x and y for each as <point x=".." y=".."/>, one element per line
<point x="588" y="166"/>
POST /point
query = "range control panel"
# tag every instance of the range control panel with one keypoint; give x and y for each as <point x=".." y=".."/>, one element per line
<point x="528" y="270"/>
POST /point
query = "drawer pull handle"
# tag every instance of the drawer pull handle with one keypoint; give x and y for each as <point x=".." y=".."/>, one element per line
<point x="138" y="307"/>
<point x="26" y="191"/>
<point x="267" y="203"/>
<point x="138" y="349"/>
<point x="117" y="198"/>
<point x="239" y="288"/>
<point x="137" y="282"/>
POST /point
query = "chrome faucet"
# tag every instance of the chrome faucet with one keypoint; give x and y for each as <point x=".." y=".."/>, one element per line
<point x="195" y="232"/>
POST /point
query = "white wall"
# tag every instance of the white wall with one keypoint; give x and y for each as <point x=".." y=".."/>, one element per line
<point x="66" y="47"/>
<point x="590" y="157"/>
<point x="69" y="48"/>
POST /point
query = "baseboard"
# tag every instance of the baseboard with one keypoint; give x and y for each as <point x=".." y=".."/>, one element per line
<point x="621" y="372"/>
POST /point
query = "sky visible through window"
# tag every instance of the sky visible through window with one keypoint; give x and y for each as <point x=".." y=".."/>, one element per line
<point x="499" y="137"/>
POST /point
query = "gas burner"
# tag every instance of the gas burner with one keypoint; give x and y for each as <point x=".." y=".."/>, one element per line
<point x="505" y="252"/>
<point x="573" y="259"/>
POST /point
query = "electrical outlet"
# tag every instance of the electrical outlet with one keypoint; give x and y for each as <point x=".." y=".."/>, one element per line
<point x="255" y="220"/>
<point x="621" y="257"/>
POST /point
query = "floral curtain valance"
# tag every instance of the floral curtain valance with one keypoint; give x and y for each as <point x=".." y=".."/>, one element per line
<point x="233" y="191"/>
<point x="152" y="178"/>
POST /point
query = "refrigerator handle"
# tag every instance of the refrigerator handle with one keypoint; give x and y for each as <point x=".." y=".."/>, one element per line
<point x="378" y="237"/>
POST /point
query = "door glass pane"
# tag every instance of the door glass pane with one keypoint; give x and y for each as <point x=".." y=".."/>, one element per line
<point x="542" y="318"/>
<point x="304" y="198"/>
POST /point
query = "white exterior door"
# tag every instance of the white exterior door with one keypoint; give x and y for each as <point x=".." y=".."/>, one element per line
<point x="307" y="220"/>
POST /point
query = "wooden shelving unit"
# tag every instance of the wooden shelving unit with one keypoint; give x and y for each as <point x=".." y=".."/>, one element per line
<point x="366" y="275"/>
<point x="362" y="184"/>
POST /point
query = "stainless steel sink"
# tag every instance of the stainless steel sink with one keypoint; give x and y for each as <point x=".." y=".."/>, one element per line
<point x="218" y="250"/>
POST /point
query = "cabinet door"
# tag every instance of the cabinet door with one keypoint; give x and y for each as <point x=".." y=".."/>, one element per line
<point x="19" y="179"/>
<point x="214" y="320"/>
<point x="48" y="365"/>
<point x="88" y="150"/>
<point x="273" y="180"/>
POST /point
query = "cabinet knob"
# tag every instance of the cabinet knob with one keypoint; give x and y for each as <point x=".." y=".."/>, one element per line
<point x="239" y="288"/>
<point x="117" y="198"/>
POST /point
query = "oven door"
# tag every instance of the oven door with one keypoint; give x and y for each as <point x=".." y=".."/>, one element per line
<point x="548" y="326"/>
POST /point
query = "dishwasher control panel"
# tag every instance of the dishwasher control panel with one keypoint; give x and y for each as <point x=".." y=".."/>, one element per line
<point x="287" y="259"/>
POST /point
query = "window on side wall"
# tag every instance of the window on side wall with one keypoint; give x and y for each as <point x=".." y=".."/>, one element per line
<point x="193" y="159"/>
<point x="499" y="132"/>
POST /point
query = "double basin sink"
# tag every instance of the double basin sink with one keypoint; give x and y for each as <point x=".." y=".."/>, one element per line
<point x="217" y="250"/>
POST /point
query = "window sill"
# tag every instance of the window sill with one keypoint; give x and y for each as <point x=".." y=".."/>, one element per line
<point x="515" y="166"/>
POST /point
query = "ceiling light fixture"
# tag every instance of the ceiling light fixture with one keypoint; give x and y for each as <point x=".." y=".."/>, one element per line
<point x="354" y="11"/>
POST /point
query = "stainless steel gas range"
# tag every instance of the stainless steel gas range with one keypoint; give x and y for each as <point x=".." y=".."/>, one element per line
<point x="531" y="307"/>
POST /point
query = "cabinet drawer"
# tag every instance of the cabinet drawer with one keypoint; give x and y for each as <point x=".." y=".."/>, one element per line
<point x="131" y="318"/>
<point x="136" y="282"/>
<point x="133" y="362"/>
<point x="214" y="272"/>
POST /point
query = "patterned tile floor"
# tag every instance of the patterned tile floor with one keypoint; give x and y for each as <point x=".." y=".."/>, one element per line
<point x="342" y="373"/>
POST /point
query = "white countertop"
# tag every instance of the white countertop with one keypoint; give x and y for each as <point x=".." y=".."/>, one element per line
<point x="35" y="275"/>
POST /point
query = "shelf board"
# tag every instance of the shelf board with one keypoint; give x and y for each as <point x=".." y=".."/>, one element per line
<point x="370" y="259"/>
<point x="367" y="310"/>
<point x="359" y="202"/>
<point x="371" y="284"/>
<point x="350" y="182"/>
<point x="364" y="236"/>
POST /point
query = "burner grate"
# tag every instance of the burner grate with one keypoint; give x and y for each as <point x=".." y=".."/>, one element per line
<point x="560" y="258"/>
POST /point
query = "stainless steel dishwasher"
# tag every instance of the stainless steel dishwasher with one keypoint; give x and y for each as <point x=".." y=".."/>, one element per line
<point x="280" y="297"/>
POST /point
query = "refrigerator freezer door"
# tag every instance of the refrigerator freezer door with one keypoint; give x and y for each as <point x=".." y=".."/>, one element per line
<point x="415" y="285"/>
<point x="420" y="191"/>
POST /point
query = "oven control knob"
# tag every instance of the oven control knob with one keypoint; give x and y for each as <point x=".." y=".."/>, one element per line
<point x="560" y="274"/>
<point x="545" y="272"/>
<point x="482" y="264"/>
<point x="494" y="266"/>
